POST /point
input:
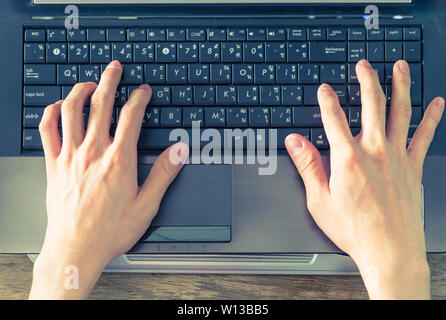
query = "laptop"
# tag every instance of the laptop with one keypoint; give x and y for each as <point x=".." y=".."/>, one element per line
<point x="251" y="65"/>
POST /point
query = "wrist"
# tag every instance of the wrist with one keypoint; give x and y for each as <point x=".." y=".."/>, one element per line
<point x="398" y="279"/>
<point x="65" y="275"/>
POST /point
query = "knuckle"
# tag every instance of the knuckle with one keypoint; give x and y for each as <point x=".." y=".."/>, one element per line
<point x="69" y="106"/>
<point x="404" y="110"/>
<point x="99" y="98"/>
<point x="308" y="164"/>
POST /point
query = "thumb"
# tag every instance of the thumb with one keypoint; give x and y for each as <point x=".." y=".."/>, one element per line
<point x="308" y="162"/>
<point x="163" y="172"/>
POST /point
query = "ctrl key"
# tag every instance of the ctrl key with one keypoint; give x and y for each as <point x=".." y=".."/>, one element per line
<point x="31" y="139"/>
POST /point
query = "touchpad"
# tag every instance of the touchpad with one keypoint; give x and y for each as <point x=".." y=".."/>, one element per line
<point x="195" y="208"/>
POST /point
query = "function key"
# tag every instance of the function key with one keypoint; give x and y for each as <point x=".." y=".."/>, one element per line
<point x="394" y="34"/>
<point x="356" y="34"/>
<point x="216" y="34"/>
<point x="35" y="35"/>
<point x="236" y="34"/>
<point x="136" y="34"/>
<point x="156" y="34"/>
<point x="297" y="34"/>
<point x="276" y="34"/>
<point x="96" y="34"/>
<point x="375" y="34"/>
<point x="176" y="34"/>
<point x="115" y="34"/>
<point x="56" y="35"/>
<point x="76" y="35"/>
<point x="336" y="34"/>
<point x="317" y="33"/>
<point x="196" y="34"/>
<point x="413" y="33"/>
<point x="256" y="34"/>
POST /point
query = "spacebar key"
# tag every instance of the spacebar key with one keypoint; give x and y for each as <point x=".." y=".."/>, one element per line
<point x="155" y="139"/>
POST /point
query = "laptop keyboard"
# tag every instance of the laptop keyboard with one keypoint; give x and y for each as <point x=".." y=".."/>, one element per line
<point x="260" y="78"/>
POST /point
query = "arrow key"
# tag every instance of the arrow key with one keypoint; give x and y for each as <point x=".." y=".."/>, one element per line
<point x="319" y="139"/>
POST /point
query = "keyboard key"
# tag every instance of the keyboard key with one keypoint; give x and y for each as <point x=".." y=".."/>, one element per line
<point x="31" y="139"/>
<point x="264" y="73"/>
<point x="342" y="93"/>
<point x="32" y="117"/>
<point x="297" y="52"/>
<point x="215" y="34"/>
<point x="160" y="95"/>
<point x="188" y="52"/>
<point x="182" y="95"/>
<point x="35" y="35"/>
<point x="412" y="33"/>
<point x="307" y="117"/>
<point x="116" y="34"/>
<point x="327" y="52"/>
<point x="39" y="74"/>
<point x="76" y="35"/>
<point x="226" y="95"/>
<point x="275" y="52"/>
<point x="276" y="34"/>
<point x="248" y="95"/>
<point x="412" y="51"/>
<point x="356" y="51"/>
<point x="171" y="117"/>
<point x="256" y="34"/>
<point x="375" y="34"/>
<point x="155" y="73"/>
<point x="297" y="34"/>
<point x="317" y="34"/>
<point x="355" y="95"/>
<point x="193" y="114"/>
<point x="34" y="53"/>
<point x="176" y="73"/>
<point x="40" y="95"/>
<point x="417" y="115"/>
<point x="176" y="34"/>
<point x="56" y="53"/>
<point x="166" y="52"/>
<point x="133" y="73"/>
<point x="283" y="133"/>
<point x="236" y="34"/>
<point x="308" y="73"/>
<point x="375" y="51"/>
<point x="354" y="116"/>
<point x="394" y="51"/>
<point x="209" y="52"/>
<point x="394" y="33"/>
<point x="292" y="95"/>
<point x="156" y="34"/>
<point x="253" y="52"/>
<point x="151" y="117"/>
<point x="221" y="73"/>
<point x="100" y="52"/>
<point x="237" y="117"/>
<point x="215" y="117"/>
<point x="333" y="73"/>
<point x="416" y="89"/>
<point x="259" y="117"/>
<point x="319" y="139"/>
<point x="281" y="117"/>
<point x="270" y="95"/>
<point x="356" y="34"/>
<point x="78" y="53"/>
<point x="196" y="34"/>
<point x="123" y="52"/>
<point x="352" y="77"/>
<point x="310" y="95"/>
<point x="204" y="95"/>
<point x="89" y="72"/>
<point x="96" y="34"/>
<point x="136" y="34"/>
<point x="231" y="52"/>
<point x="56" y="35"/>
<point x="198" y="73"/>
<point x="67" y="73"/>
<point x="243" y="73"/>
<point x="286" y="73"/>
<point x="336" y="34"/>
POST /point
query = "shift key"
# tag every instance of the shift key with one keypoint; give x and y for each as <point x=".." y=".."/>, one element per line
<point x="328" y="52"/>
<point x="41" y="95"/>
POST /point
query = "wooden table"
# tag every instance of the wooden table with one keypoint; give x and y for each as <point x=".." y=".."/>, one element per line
<point x="16" y="274"/>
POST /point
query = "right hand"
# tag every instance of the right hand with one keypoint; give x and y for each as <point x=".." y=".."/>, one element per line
<point x="371" y="205"/>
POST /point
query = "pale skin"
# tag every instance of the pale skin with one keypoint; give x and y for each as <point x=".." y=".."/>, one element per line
<point x="369" y="206"/>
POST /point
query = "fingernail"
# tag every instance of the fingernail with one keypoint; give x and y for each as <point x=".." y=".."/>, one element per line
<point x="364" y="63"/>
<point x="404" y="66"/>
<point x="293" y="144"/>
<point x="182" y="153"/>
<point x="59" y="102"/>
<point x="114" y="64"/>
<point x="144" y="86"/>
<point x="439" y="102"/>
<point x="324" y="86"/>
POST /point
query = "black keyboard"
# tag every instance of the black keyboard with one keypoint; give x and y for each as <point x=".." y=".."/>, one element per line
<point x="237" y="77"/>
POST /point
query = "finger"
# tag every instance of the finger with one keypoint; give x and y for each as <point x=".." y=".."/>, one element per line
<point x="424" y="135"/>
<point x="163" y="172"/>
<point x="102" y="102"/>
<point x="333" y="117"/>
<point x="308" y="162"/>
<point x="401" y="106"/>
<point x="372" y="99"/>
<point x="130" y="118"/>
<point x="72" y="119"/>
<point x="49" y="131"/>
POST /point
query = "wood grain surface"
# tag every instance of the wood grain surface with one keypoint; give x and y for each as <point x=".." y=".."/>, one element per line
<point x="16" y="275"/>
